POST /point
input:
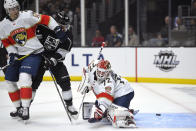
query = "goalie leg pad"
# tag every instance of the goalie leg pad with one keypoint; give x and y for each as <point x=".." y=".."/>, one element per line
<point x="120" y="116"/>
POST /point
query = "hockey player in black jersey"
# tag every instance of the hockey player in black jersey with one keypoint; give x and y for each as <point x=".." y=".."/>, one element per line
<point x="54" y="54"/>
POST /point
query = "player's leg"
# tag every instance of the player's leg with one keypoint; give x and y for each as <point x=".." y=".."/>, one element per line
<point x="28" y="69"/>
<point x="62" y="77"/>
<point x="122" y="114"/>
<point x="37" y="79"/>
<point x="11" y="77"/>
<point x="25" y="93"/>
<point x="125" y="100"/>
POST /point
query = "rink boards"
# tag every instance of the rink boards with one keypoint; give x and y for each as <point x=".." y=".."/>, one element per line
<point x="158" y="65"/>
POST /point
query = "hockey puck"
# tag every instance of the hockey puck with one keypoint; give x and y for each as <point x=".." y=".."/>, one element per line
<point x="158" y="114"/>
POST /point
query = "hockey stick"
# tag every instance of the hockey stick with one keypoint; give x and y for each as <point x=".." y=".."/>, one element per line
<point x="21" y="58"/>
<point x="103" y="44"/>
<point x="81" y="104"/>
<point x="55" y="83"/>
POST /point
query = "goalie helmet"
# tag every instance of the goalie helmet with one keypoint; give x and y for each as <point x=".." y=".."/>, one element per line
<point x="10" y="5"/>
<point x="103" y="69"/>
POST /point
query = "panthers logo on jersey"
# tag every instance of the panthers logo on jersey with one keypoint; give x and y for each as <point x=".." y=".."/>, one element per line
<point x="19" y="36"/>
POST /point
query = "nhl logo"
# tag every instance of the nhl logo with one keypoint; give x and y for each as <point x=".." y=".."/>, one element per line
<point x="166" y="61"/>
<point x="19" y="36"/>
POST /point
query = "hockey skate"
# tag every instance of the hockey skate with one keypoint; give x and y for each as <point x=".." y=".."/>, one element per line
<point x="72" y="112"/>
<point x="17" y="113"/>
<point x="25" y="114"/>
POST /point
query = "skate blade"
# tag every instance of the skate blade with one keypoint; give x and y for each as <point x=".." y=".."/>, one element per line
<point x="19" y="119"/>
<point x="15" y="118"/>
<point x="25" y="122"/>
<point x="75" y="117"/>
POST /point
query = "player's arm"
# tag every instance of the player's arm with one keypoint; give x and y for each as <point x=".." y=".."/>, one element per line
<point x="65" y="37"/>
<point x="11" y="50"/>
<point x="85" y="85"/>
<point x="7" y="44"/>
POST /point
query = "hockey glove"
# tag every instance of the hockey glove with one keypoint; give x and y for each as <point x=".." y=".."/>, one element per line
<point x="100" y="110"/>
<point x="50" y="62"/>
<point x="12" y="58"/>
<point x="98" y="114"/>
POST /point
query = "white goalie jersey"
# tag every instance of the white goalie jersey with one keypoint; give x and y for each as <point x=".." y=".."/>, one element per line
<point x="107" y="90"/>
<point x="19" y="36"/>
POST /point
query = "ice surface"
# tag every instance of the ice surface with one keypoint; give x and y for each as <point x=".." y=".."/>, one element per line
<point x="47" y="112"/>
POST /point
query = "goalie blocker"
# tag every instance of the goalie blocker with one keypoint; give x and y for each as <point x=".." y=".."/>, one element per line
<point x="118" y="116"/>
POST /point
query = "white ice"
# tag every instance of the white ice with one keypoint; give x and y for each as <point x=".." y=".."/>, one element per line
<point x="47" y="112"/>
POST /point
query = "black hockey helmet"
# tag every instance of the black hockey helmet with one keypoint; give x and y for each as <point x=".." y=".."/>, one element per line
<point x="62" y="18"/>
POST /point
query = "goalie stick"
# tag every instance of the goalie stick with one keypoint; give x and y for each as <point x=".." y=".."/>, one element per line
<point x="80" y="86"/>
<point x="21" y="58"/>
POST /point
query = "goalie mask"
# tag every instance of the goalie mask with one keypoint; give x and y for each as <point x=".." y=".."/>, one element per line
<point x="103" y="69"/>
<point x="12" y="8"/>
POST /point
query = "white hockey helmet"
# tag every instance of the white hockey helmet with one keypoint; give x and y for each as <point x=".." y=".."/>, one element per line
<point x="103" y="69"/>
<point x="12" y="8"/>
<point x="10" y="4"/>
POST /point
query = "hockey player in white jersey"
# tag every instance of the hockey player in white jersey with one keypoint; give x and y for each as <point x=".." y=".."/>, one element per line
<point x="17" y="33"/>
<point x="113" y="94"/>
